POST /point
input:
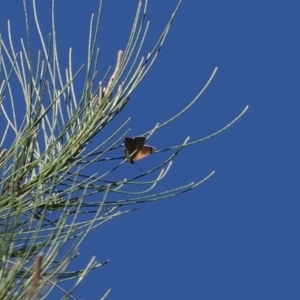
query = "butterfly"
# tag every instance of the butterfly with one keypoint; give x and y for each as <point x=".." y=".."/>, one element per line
<point x="136" y="149"/>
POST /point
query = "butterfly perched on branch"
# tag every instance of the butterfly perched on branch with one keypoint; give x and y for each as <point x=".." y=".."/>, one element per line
<point x="136" y="149"/>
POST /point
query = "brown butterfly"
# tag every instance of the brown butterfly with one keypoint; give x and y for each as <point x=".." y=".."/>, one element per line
<point x="136" y="149"/>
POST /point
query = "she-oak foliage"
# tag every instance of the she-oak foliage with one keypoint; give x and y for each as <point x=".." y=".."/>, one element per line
<point x="45" y="153"/>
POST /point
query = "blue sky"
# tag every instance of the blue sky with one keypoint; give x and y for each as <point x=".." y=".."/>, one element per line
<point x="237" y="235"/>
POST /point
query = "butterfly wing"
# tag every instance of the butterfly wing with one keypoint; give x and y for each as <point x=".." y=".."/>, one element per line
<point x="139" y="142"/>
<point x="145" y="151"/>
<point x="133" y="145"/>
<point x="129" y="148"/>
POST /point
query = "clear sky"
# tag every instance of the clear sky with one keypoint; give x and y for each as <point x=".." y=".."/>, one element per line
<point x="236" y="236"/>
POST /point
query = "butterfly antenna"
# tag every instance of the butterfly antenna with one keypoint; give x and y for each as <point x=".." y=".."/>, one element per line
<point x="139" y="168"/>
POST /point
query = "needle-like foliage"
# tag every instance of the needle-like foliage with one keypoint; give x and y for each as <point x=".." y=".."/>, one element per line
<point x="48" y="122"/>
